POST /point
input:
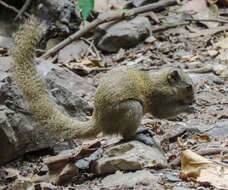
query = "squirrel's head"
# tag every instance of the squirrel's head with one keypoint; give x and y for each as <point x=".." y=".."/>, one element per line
<point x="181" y="85"/>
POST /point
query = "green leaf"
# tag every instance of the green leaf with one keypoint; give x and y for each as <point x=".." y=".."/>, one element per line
<point x="86" y="6"/>
<point x="124" y="10"/>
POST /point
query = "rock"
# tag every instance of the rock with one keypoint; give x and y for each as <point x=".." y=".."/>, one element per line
<point x="19" y="133"/>
<point x="44" y="185"/>
<point x="219" y="129"/>
<point x="5" y="42"/>
<point x="65" y="98"/>
<point x="212" y="53"/>
<point x="173" y="178"/>
<point x="150" y="39"/>
<point x="208" y="78"/>
<point x="43" y="170"/>
<point x="59" y="13"/>
<point x="73" y="52"/>
<point x="84" y="163"/>
<point x="4" y="65"/>
<point x="131" y="155"/>
<point x="129" y="179"/>
<point x="123" y="34"/>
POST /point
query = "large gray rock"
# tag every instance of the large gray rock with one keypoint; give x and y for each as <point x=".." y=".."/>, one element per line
<point x="73" y="51"/>
<point x="19" y="133"/>
<point x="132" y="155"/>
<point x="5" y="42"/>
<point x="122" y="34"/>
<point x="218" y="129"/>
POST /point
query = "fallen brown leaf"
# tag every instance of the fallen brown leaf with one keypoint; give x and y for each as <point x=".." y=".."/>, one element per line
<point x="203" y="170"/>
<point x="201" y="138"/>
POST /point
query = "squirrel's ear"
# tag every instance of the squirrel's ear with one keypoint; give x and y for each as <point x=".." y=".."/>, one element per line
<point x="173" y="76"/>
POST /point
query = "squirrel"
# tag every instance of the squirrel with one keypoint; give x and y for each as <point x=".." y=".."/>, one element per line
<point x="123" y="96"/>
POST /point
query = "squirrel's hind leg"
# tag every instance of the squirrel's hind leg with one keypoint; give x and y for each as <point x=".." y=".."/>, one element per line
<point x="124" y="119"/>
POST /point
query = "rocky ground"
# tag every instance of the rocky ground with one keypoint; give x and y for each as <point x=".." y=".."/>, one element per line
<point x="34" y="159"/>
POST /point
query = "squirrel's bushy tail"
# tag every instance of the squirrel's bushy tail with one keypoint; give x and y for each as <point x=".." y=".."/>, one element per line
<point x="33" y="88"/>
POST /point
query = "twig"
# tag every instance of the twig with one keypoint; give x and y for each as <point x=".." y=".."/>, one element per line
<point x="97" y="52"/>
<point x="23" y="9"/>
<point x="107" y="18"/>
<point x="100" y="69"/>
<point x="165" y="27"/>
<point x="11" y="8"/>
<point x="208" y="31"/>
<point x="90" y="48"/>
<point x="207" y="20"/>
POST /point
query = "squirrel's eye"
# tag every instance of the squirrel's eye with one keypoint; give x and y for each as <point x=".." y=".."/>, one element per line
<point x="189" y="87"/>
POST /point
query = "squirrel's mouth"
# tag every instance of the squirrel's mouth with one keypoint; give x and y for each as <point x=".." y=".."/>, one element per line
<point x="189" y="107"/>
<point x="190" y="100"/>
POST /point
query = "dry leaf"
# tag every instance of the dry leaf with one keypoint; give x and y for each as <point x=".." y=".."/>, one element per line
<point x="84" y="67"/>
<point x="201" y="138"/>
<point x="225" y="157"/>
<point x="180" y="142"/>
<point x="191" y="58"/>
<point x="222" y="43"/>
<point x="203" y="170"/>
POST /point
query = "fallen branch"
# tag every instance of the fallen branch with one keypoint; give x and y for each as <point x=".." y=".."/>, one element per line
<point x="11" y="8"/>
<point x="165" y="27"/>
<point x="23" y="9"/>
<point x="107" y="18"/>
<point x="209" y="31"/>
<point x="207" y="20"/>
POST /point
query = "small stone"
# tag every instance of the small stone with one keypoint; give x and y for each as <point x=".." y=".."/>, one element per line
<point x="173" y="178"/>
<point x="43" y="170"/>
<point x="84" y="163"/>
<point x="212" y="53"/>
<point x="129" y="179"/>
<point x="150" y="39"/>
